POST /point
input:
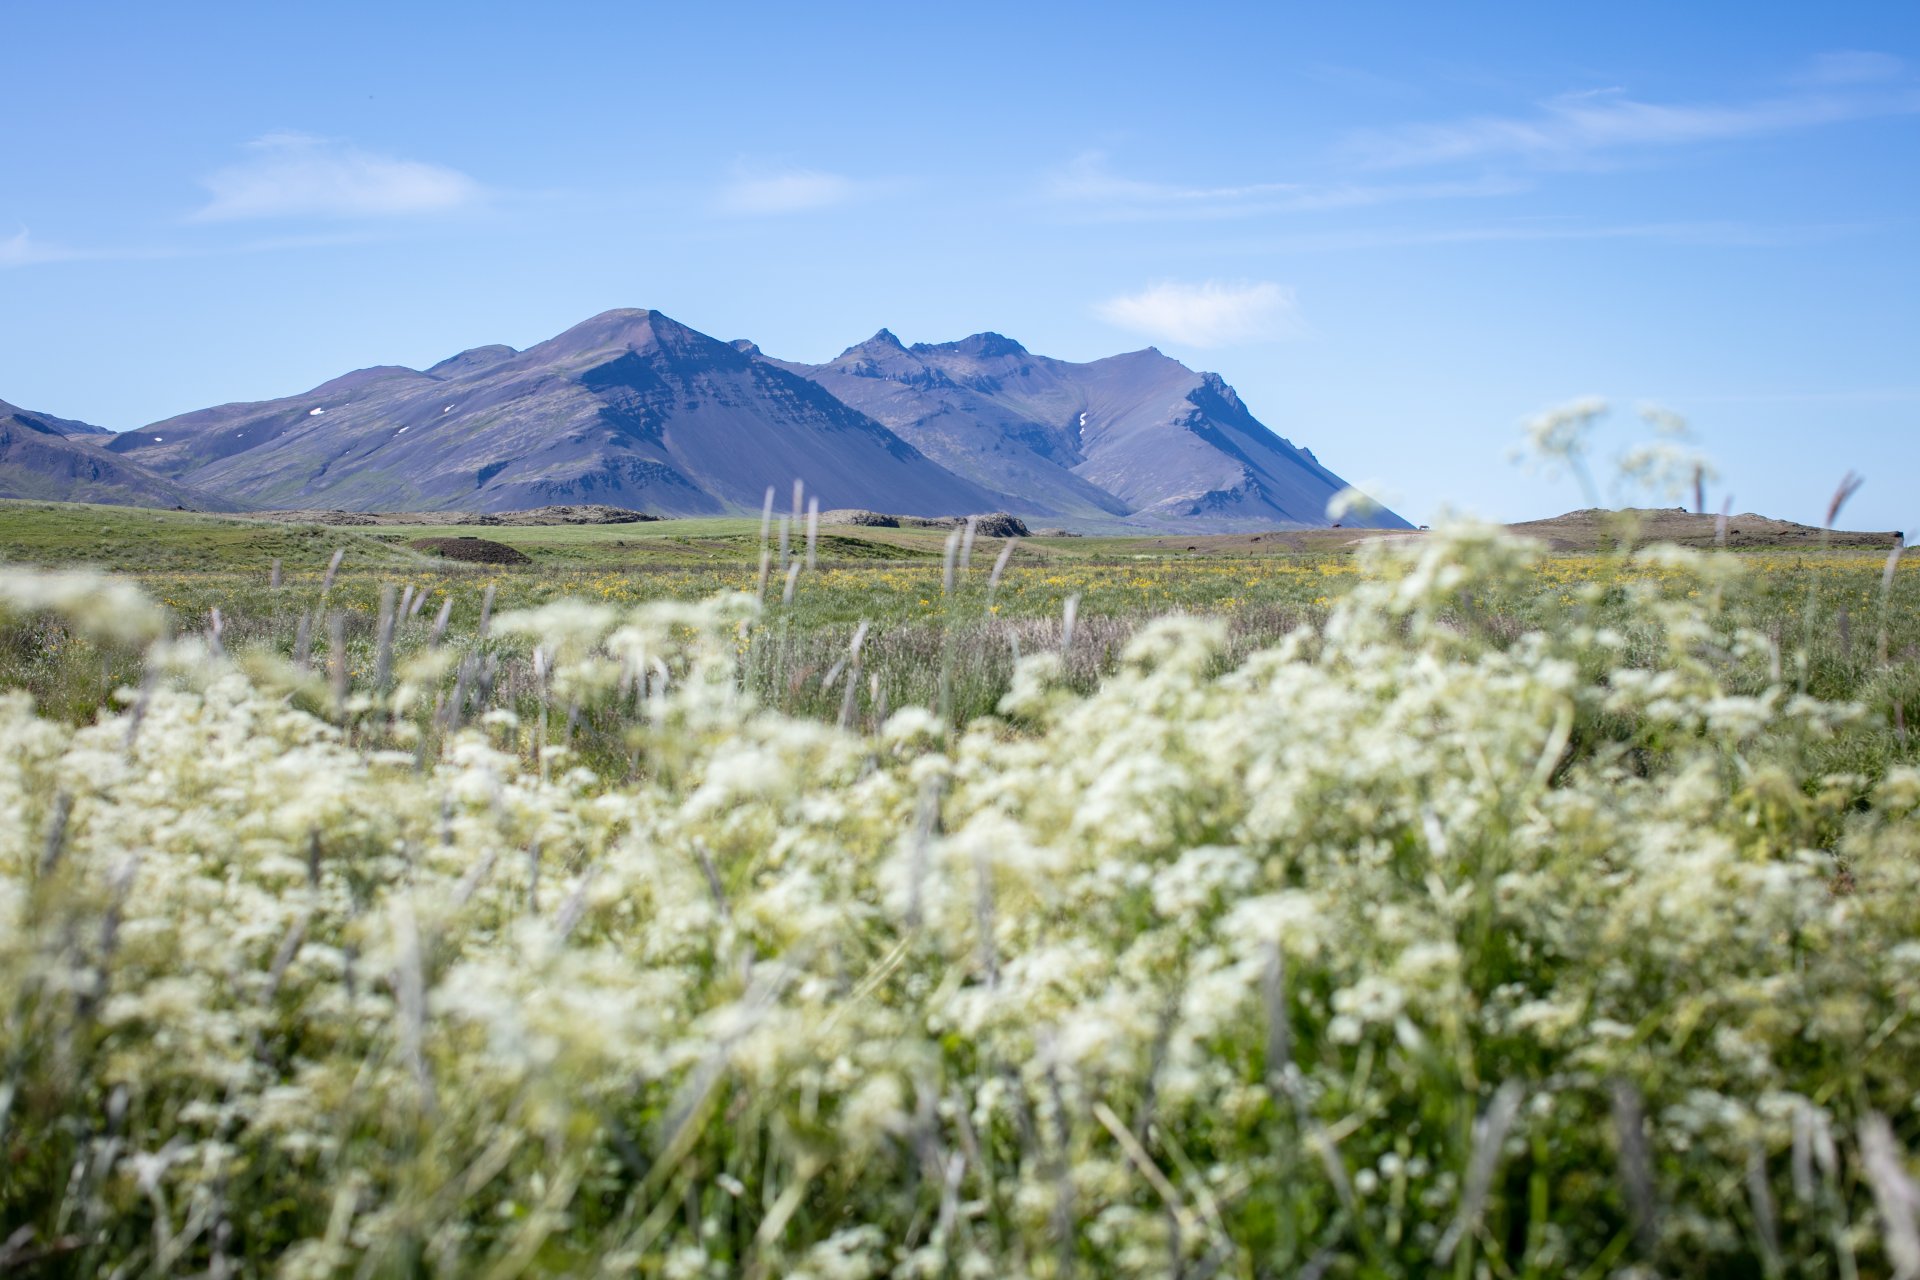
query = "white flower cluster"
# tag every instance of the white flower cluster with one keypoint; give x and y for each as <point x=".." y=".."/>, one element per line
<point x="1405" y="943"/>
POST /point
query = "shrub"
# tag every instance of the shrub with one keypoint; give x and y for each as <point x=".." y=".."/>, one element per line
<point x="1420" y="940"/>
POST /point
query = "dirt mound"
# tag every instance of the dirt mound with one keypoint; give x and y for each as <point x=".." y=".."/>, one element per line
<point x="471" y="550"/>
<point x="993" y="524"/>
<point x="586" y="513"/>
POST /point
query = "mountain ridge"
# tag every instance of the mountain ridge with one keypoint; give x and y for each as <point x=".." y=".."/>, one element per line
<point x="47" y="457"/>
<point x="632" y="408"/>
<point x="1137" y="436"/>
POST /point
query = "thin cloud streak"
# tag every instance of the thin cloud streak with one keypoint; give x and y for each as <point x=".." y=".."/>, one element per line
<point x="295" y="175"/>
<point x="1211" y="313"/>
<point x="1851" y="66"/>
<point x="1573" y="128"/>
<point x="1087" y="183"/>
<point x="1086" y="178"/>
<point x="754" y="193"/>
<point x="1866" y="396"/>
<point x="23" y="250"/>
<point x="1713" y="234"/>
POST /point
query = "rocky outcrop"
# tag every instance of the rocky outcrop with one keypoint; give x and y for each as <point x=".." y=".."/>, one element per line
<point x="993" y="524"/>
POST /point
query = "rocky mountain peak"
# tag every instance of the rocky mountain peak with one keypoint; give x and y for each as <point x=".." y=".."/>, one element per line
<point x="979" y="346"/>
<point x="613" y="334"/>
<point x="879" y="347"/>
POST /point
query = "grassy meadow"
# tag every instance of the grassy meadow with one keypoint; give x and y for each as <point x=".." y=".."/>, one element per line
<point x="925" y="630"/>
<point x="893" y="579"/>
<point x="1310" y="905"/>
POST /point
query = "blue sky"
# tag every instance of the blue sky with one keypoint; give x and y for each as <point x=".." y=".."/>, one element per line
<point x="1398" y="230"/>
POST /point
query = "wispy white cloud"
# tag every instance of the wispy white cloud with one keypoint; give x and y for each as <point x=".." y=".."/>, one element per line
<point x="1088" y="183"/>
<point x="1211" y="313"/>
<point x="1576" y="127"/>
<point x="1722" y="234"/>
<point x="1851" y="66"/>
<point x="295" y="175"/>
<point x="1087" y="178"/>
<point x="1858" y="396"/>
<point x="22" y="250"/>
<point x="756" y="192"/>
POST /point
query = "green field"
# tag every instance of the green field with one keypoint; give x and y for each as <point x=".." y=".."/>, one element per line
<point x="1434" y="905"/>
<point x="140" y="540"/>
<point x="893" y="579"/>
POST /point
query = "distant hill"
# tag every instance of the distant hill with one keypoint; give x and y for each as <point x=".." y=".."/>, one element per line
<point x="632" y="409"/>
<point x="50" y="458"/>
<point x="46" y="422"/>
<point x="1596" y="528"/>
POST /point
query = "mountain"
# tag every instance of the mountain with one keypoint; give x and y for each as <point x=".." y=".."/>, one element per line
<point x="633" y="409"/>
<point x="629" y="408"/>
<point x="46" y="422"/>
<point x="1139" y="437"/>
<point x="59" y="459"/>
